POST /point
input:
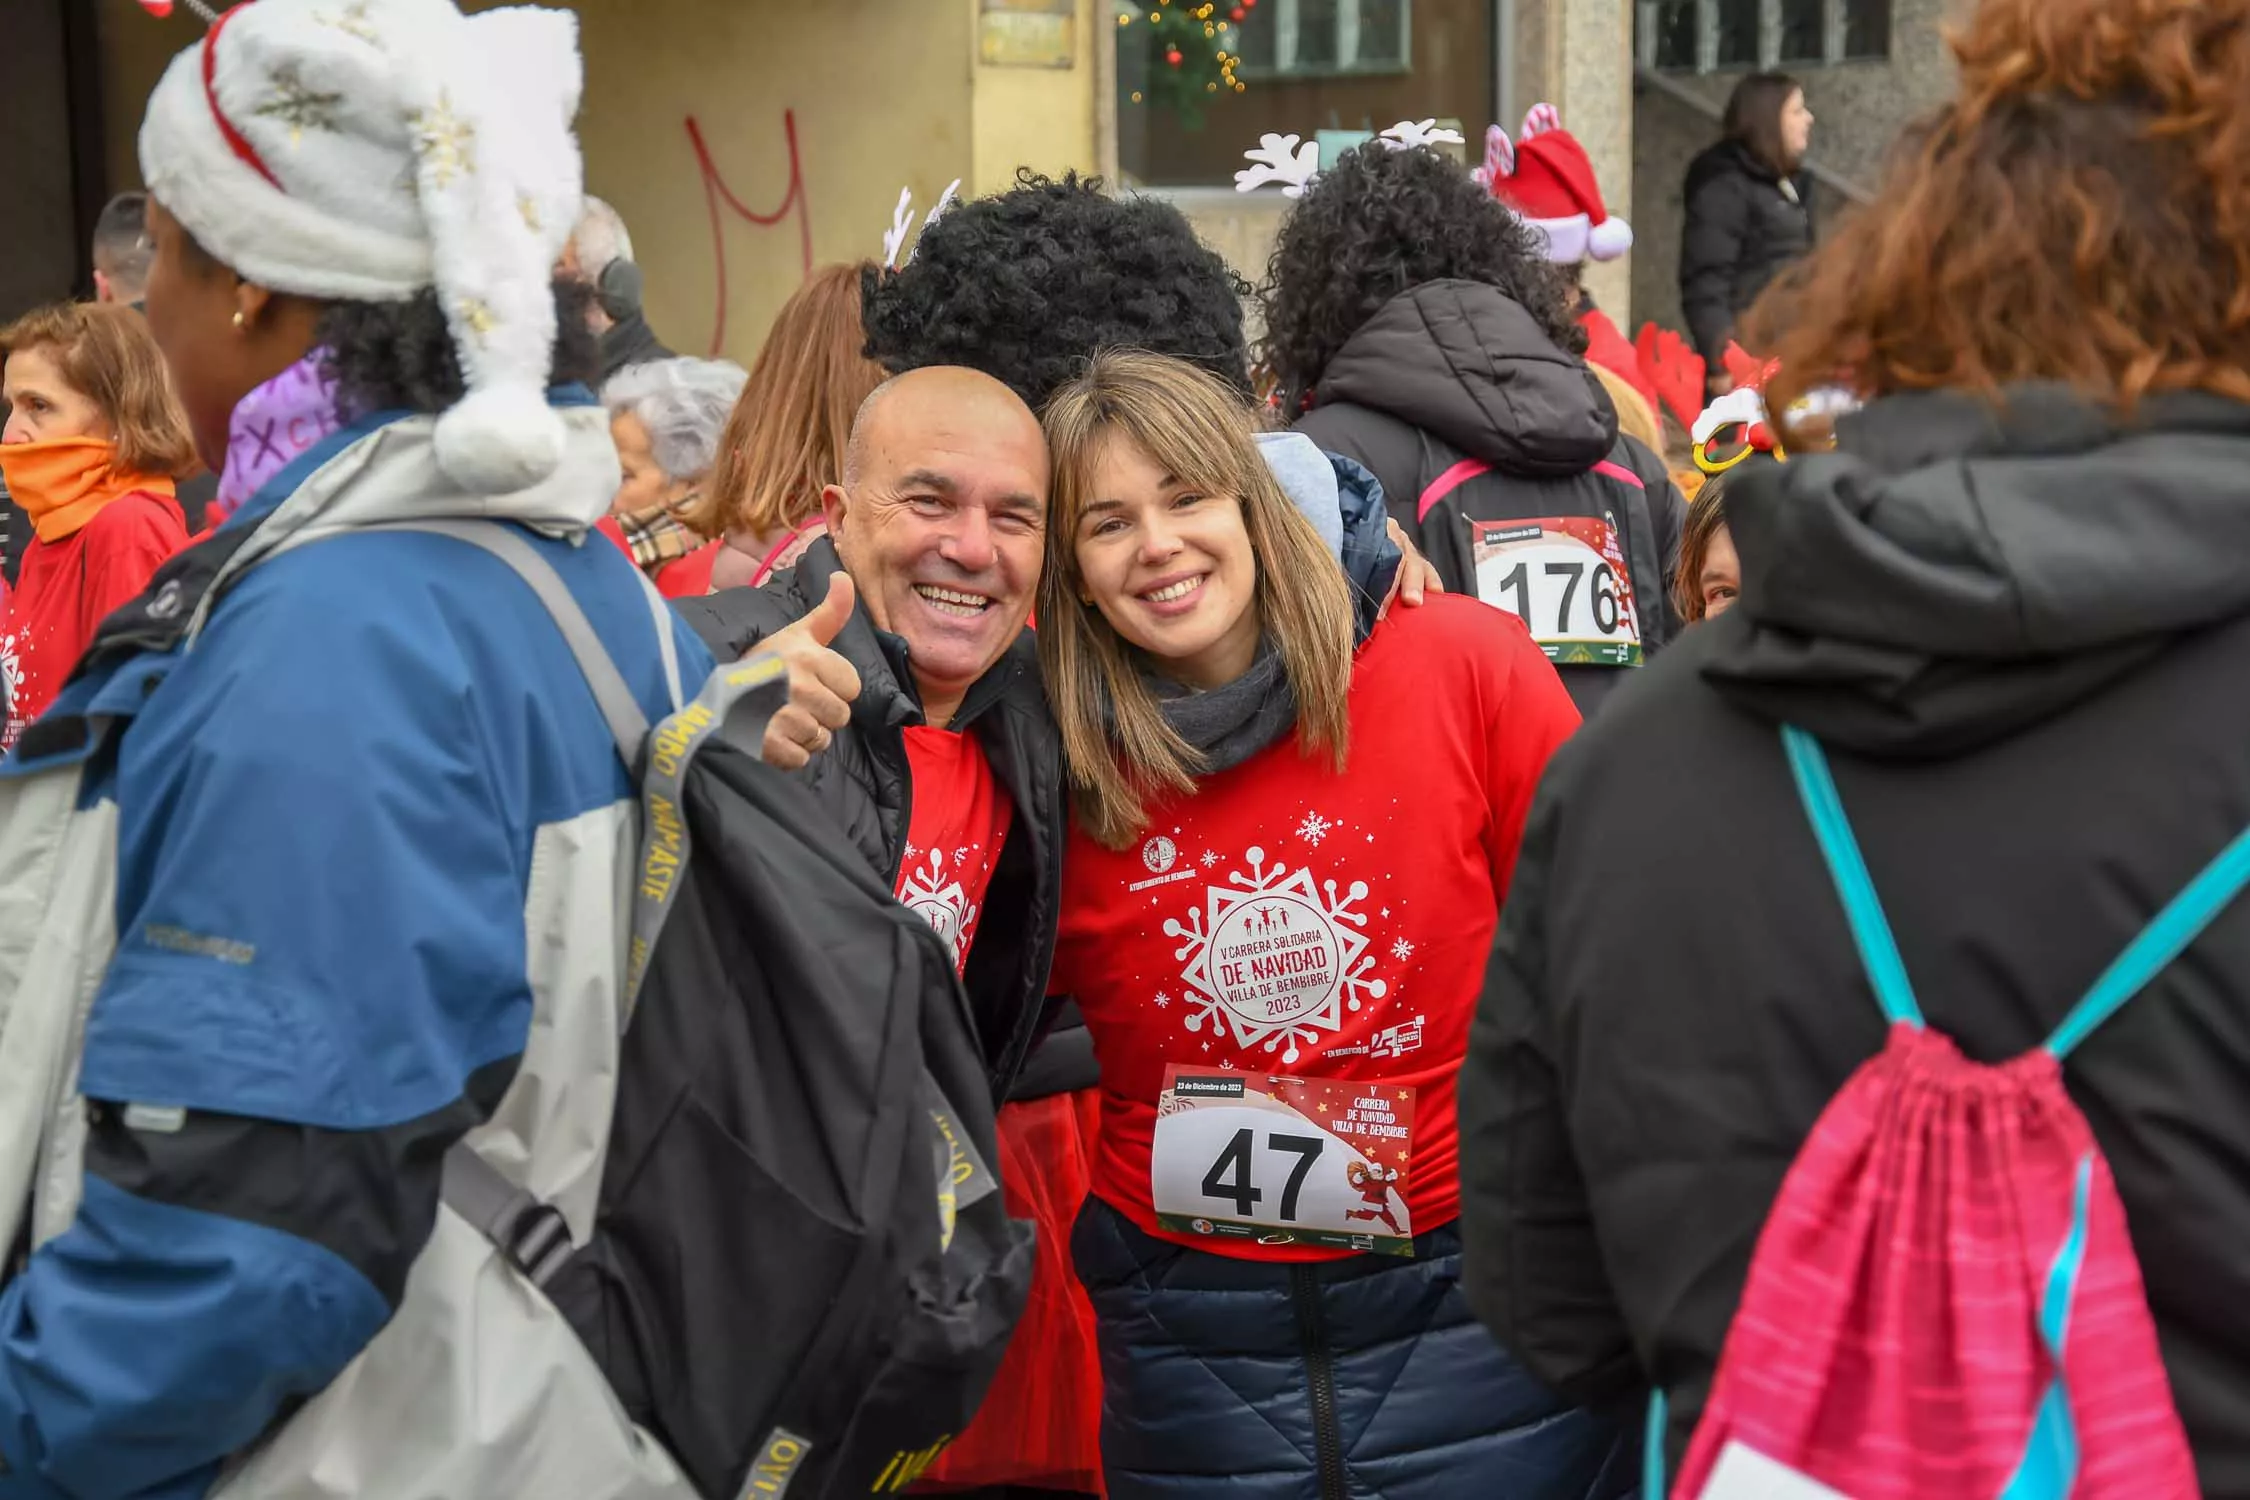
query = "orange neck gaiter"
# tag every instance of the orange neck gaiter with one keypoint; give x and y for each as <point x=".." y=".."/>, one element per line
<point x="63" y="483"/>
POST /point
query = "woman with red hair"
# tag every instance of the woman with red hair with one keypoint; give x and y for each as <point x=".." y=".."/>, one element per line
<point x="2001" y="631"/>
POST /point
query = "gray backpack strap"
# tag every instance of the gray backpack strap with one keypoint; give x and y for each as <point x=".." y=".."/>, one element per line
<point x="531" y="1234"/>
<point x="627" y="724"/>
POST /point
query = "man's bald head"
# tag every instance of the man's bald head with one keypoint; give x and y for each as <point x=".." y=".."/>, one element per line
<point x="952" y="392"/>
<point x="941" y="522"/>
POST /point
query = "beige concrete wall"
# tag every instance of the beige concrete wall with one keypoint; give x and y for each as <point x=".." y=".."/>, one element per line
<point x="879" y="93"/>
<point x="883" y="93"/>
<point x="1043" y="118"/>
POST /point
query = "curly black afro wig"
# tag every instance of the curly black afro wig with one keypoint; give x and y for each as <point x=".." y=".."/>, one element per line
<point x="1382" y="222"/>
<point x="1029" y="284"/>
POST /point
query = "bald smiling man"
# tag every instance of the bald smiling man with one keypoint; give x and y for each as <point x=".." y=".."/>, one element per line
<point x="945" y="769"/>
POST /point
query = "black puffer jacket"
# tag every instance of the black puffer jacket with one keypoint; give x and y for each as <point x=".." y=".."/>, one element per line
<point x="2026" y="645"/>
<point x="1745" y="223"/>
<point x="1454" y="375"/>
<point x="865" y="782"/>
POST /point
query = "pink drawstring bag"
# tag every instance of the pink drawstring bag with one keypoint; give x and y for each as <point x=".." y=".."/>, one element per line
<point x="1944" y="1303"/>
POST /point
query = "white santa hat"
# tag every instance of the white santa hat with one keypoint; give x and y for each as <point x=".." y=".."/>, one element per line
<point x="362" y="150"/>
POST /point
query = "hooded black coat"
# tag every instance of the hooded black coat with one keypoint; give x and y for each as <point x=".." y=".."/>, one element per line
<point x="1456" y="370"/>
<point x="1745" y="223"/>
<point x="2023" y="639"/>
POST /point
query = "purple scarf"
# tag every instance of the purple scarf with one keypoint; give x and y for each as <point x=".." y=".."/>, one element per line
<point x="271" y="426"/>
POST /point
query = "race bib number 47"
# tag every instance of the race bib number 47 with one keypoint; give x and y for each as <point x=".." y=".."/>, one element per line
<point x="1565" y="578"/>
<point x="1283" y="1161"/>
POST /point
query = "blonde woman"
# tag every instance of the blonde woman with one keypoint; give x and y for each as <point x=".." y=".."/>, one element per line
<point x="1291" y="837"/>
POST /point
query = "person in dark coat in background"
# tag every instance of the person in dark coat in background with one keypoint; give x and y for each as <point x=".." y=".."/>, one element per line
<point x="1416" y="324"/>
<point x="1749" y="212"/>
<point x="2014" y="610"/>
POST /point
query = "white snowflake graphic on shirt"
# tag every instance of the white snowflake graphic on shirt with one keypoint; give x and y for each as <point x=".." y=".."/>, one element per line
<point x="1314" y="829"/>
<point x="938" y="899"/>
<point x="11" y="674"/>
<point x="1402" y="950"/>
<point x="1274" y="957"/>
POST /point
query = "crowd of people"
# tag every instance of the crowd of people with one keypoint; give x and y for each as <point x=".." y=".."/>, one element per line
<point x="1393" y="953"/>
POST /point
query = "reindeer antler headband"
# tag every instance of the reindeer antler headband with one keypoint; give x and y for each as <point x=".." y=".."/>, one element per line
<point x="1744" y="407"/>
<point x="902" y="220"/>
<point x="1294" y="162"/>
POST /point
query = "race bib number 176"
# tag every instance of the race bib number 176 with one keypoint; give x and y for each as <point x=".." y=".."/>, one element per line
<point x="1283" y="1161"/>
<point x="1565" y="578"/>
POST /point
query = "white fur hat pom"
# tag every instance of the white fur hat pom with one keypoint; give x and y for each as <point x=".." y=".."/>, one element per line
<point x="1609" y="239"/>
<point x="500" y="439"/>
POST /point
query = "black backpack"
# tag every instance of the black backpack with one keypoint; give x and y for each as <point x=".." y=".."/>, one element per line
<point x="802" y="1277"/>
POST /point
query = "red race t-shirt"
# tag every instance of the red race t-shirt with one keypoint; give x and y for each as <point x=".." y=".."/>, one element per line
<point x="66" y="587"/>
<point x="959" y="821"/>
<point x="1286" y="964"/>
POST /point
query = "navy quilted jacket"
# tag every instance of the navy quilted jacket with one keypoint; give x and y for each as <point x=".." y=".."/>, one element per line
<point x="1359" y="1379"/>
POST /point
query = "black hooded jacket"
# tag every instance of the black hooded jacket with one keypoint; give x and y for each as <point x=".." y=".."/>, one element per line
<point x="2024" y="639"/>
<point x="865" y="782"/>
<point x="1745" y="224"/>
<point x="1456" y="370"/>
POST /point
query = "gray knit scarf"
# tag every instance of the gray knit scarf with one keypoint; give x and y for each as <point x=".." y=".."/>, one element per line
<point x="1235" y="721"/>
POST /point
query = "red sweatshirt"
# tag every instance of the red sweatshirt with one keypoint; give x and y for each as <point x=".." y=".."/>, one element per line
<point x="66" y="587"/>
<point x="1300" y="952"/>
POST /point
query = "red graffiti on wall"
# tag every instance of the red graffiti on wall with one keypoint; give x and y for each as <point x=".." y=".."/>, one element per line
<point x="715" y="192"/>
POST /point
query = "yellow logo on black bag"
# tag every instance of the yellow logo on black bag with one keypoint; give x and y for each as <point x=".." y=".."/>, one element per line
<point x="776" y="1465"/>
<point x="905" y="1468"/>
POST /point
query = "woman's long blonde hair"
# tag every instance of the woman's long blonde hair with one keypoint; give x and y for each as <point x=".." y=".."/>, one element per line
<point x="1118" y="744"/>
<point x="785" y="439"/>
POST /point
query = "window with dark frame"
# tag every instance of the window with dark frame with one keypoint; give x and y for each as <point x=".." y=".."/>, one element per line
<point x="1316" y="47"/>
<point x="1318" y="38"/>
<point x="1867" y="29"/>
<point x="1691" y="36"/>
<point x="1675" y="35"/>
<point x="1738" y="33"/>
<point x="1803" y="31"/>
<point x="1382" y="34"/>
